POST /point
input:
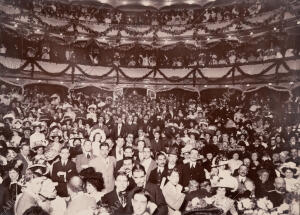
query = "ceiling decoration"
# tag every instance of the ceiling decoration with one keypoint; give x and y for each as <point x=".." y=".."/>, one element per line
<point x="31" y="28"/>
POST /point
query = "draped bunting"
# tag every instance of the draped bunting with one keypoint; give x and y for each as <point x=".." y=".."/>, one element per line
<point x="11" y="63"/>
<point x="210" y="75"/>
<point x="270" y="87"/>
<point x="196" y="30"/>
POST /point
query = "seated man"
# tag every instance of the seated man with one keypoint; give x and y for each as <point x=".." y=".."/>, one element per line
<point x="116" y="198"/>
<point x="159" y="174"/>
<point x="263" y="185"/>
<point x="140" y="203"/>
<point x="277" y="195"/>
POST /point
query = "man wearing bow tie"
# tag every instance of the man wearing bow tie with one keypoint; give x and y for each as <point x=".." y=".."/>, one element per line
<point x="118" y="197"/>
<point x="192" y="170"/>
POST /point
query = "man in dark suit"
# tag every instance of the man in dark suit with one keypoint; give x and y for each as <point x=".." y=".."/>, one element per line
<point x="24" y="157"/>
<point x="128" y="153"/>
<point x="263" y="184"/>
<point x="192" y="170"/>
<point x="156" y="144"/>
<point x="117" y="151"/>
<point x="82" y="160"/>
<point x="101" y="126"/>
<point x="139" y="176"/>
<point x="277" y="195"/>
<point x="108" y="121"/>
<point x="62" y="171"/>
<point x="159" y="174"/>
<point x="117" y="199"/>
<point x="145" y="124"/>
<point x="118" y="129"/>
<point x="130" y="127"/>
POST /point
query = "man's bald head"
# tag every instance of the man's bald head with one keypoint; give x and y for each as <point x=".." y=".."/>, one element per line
<point x="75" y="184"/>
<point x="279" y="184"/>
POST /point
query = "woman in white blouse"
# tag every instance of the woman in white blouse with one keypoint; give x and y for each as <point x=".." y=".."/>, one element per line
<point x="172" y="192"/>
<point x="290" y="170"/>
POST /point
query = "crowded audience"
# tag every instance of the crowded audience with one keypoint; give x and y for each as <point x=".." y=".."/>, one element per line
<point x="89" y="154"/>
<point x="219" y="55"/>
<point x="172" y="16"/>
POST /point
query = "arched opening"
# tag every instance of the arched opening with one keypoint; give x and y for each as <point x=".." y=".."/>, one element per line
<point x="275" y="98"/>
<point x="181" y="94"/>
<point x="230" y="94"/>
<point x="129" y="92"/>
<point x="6" y="87"/>
<point x="47" y="89"/>
<point x="93" y="91"/>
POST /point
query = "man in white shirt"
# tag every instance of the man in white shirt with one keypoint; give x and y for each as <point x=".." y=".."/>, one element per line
<point x="242" y="181"/>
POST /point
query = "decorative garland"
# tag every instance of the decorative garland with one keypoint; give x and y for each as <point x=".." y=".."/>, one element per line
<point x="256" y="76"/>
<point x="75" y="24"/>
<point x="270" y="87"/>
<point x="215" y="80"/>
<point x="154" y="71"/>
<point x="50" y="73"/>
<point x="95" y="76"/>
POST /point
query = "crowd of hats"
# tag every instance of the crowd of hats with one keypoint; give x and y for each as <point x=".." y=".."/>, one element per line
<point x="222" y="127"/>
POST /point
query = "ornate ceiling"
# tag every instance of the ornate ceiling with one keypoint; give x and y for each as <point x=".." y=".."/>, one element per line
<point x="157" y="4"/>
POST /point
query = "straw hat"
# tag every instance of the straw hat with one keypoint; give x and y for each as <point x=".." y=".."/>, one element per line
<point x="289" y="166"/>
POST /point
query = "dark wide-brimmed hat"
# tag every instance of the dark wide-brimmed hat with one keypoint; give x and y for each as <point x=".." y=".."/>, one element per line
<point x="39" y="169"/>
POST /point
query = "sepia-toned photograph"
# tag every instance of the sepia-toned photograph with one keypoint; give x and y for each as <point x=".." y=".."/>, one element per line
<point x="149" y="107"/>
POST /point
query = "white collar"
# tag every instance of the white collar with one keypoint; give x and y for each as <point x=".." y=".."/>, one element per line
<point x="242" y="177"/>
<point x="161" y="169"/>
